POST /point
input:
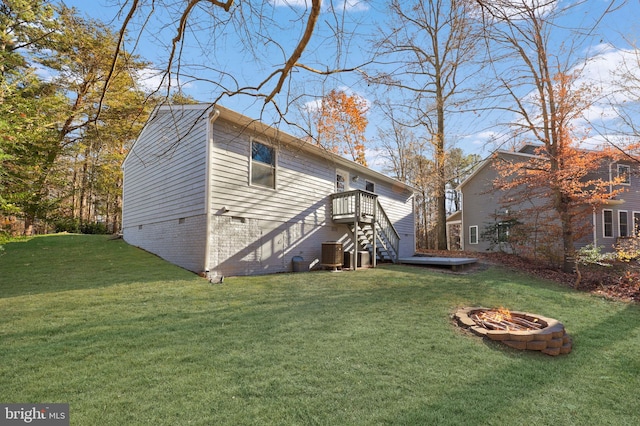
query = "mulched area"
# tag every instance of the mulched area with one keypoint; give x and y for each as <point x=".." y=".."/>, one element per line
<point x="620" y="281"/>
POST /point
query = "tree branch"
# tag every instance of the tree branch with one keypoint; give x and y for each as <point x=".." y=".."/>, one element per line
<point x="297" y="53"/>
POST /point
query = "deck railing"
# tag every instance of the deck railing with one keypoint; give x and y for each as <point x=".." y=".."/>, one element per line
<point x="387" y="229"/>
<point x="363" y="207"/>
<point x="352" y="204"/>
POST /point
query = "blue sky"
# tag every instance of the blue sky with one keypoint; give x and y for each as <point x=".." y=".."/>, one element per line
<point x="224" y="50"/>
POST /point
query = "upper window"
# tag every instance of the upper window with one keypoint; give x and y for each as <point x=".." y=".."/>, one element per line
<point x="624" y="173"/>
<point x="607" y="223"/>
<point x="369" y="186"/>
<point x="263" y="165"/>
<point x="341" y="178"/>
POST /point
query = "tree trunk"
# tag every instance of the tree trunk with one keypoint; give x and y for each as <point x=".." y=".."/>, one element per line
<point x="441" y="170"/>
<point x="568" y="248"/>
<point x="28" y="226"/>
<point x="441" y="211"/>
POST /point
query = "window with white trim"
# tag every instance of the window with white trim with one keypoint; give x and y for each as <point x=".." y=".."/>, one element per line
<point x="341" y="181"/>
<point x="369" y="186"/>
<point x="607" y="223"/>
<point x="636" y="224"/>
<point x="623" y="223"/>
<point x="263" y="165"/>
<point x="624" y="173"/>
<point x="473" y="234"/>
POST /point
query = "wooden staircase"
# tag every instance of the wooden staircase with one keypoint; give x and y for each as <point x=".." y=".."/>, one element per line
<point x="369" y="224"/>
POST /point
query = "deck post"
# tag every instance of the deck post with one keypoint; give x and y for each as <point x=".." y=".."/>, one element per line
<point x="355" y="245"/>
<point x="375" y="233"/>
<point x="355" y="231"/>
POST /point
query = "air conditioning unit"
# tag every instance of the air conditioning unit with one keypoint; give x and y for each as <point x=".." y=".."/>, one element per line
<point x="332" y="255"/>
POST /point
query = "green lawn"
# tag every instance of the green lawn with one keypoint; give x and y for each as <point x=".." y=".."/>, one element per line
<point x="128" y="339"/>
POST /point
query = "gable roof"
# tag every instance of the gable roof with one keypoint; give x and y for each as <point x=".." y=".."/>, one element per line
<point x="257" y="126"/>
<point x="490" y="159"/>
<point x="526" y="151"/>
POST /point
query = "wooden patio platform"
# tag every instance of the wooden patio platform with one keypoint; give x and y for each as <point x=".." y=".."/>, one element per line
<point x="455" y="263"/>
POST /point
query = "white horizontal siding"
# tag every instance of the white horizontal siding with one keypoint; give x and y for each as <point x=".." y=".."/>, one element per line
<point x="164" y="190"/>
<point x="303" y="183"/>
<point x="253" y="229"/>
<point x="299" y="204"/>
<point x="399" y="207"/>
<point x="397" y="203"/>
<point x="164" y="175"/>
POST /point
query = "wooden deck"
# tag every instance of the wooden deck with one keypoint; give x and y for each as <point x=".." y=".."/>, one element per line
<point x="454" y="262"/>
<point x="372" y="229"/>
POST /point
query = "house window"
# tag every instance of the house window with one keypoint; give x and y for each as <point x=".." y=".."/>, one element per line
<point x="607" y="223"/>
<point x="623" y="224"/>
<point x="369" y="186"/>
<point x="624" y="174"/>
<point x="473" y="234"/>
<point x="263" y="165"/>
<point x="636" y="224"/>
<point x="341" y="178"/>
<point x="503" y="231"/>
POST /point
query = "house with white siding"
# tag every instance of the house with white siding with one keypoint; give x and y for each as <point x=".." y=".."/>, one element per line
<point x="221" y="194"/>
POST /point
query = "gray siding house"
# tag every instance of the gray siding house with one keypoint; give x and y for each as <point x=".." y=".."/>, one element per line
<point x="616" y="219"/>
<point x="221" y="194"/>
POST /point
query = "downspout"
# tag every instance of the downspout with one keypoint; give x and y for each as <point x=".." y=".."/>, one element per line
<point x="595" y="227"/>
<point x="462" y="230"/>
<point x="208" y="196"/>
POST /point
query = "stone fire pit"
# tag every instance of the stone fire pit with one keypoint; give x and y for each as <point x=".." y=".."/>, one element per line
<point x="519" y="330"/>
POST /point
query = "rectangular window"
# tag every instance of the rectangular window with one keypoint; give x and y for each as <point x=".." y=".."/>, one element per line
<point x="636" y="224"/>
<point x="263" y="165"/>
<point x="623" y="224"/>
<point x="369" y="186"/>
<point x="503" y="231"/>
<point x="624" y="173"/>
<point x="473" y="234"/>
<point x="607" y="223"/>
<point x="341" y="178"/>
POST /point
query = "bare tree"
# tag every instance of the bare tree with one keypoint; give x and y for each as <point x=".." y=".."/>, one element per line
<point x="538" y="76"/>
<point x="399" y="143"/>
<point x="625" y="101"/>
<point x="427" y="48"/>
<point x="269" y="36"/>
<point x="459" y="167"/>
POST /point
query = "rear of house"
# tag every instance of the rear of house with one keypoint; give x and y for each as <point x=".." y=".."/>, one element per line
<point x="218" y="193"/>
<point x="486" y="224"/>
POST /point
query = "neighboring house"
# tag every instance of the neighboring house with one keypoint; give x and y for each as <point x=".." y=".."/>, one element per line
<point x="482" y="210"/>
<point x="221" y="194"/>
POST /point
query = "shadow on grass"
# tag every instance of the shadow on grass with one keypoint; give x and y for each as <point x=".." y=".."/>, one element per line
<point x="62" y="262"/>
<point x="368" y="347"/>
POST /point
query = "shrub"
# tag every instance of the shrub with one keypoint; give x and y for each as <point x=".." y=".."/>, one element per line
<point x="73" y="226"/>
<point x="592" y="255"/>
<point x="627" y="249"/>
<point x="67" y="224"/>
<point x="94" y="228"/>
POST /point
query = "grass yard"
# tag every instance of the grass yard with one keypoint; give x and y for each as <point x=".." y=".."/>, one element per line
<point x="127" y="339"/>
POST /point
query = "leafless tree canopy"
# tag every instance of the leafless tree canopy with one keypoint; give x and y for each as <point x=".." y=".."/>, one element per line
<point x="271" y="37"/>
<point x="425" y="54"/>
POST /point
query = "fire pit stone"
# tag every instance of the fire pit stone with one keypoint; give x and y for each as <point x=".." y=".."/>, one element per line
<point x="518" y="330"/>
